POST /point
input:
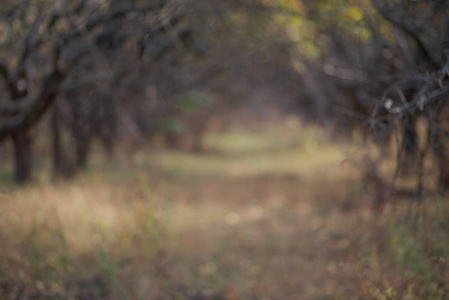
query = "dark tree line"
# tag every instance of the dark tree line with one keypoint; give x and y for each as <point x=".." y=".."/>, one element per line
<point x="103" y="70"/>
<point x="381" y="66"/>
<point x="72" y="57"/>
<point x="420" y="91"/>
<point x="87" y="66"/>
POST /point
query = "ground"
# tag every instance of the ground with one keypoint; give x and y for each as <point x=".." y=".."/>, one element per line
<point x="273" y="213"/>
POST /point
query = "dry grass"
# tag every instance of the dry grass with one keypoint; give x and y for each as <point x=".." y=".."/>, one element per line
<point x="276" y="214"/>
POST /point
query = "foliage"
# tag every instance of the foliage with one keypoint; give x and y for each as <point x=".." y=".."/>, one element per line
<point x="194" y="101"/>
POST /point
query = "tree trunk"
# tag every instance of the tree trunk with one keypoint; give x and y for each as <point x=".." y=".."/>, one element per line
<point x="443" y="180"/>
<point x="61" y="165"/>
<point x="56" y="143"/>
<point x="82" y="152"/>
<point x="410" y="147"/>
<point x="23" y="160"/>
<point x="81" y="130"/>
<point x="440" y="152"/>
<point x="321" y="101"/>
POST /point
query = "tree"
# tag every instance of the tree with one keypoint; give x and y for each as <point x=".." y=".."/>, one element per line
<point x="422" y="91"/>
<point x="380" y="65"/>
<point x="91" y="65"/>
<point x="46" y="43"/>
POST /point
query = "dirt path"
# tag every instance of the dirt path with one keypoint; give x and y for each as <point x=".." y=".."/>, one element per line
<point x="274" y="223"/>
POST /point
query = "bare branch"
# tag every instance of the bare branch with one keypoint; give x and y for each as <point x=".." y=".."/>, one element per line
<point x="412" y="34"/>
<point x="36" y="107"/>
<point x="104" y="18"/>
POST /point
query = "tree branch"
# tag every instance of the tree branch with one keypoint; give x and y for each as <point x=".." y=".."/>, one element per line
<point x="35" y="107"/>
<point x="419" y="42"/>
<point x="104" y="18"/>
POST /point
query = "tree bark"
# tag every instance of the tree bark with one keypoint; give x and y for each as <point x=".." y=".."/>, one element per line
<point x="440" y="152"/>
<point x="410" y="147"/>
<point x="82" y="152"/>
<point x="56" y="143"/>
<point x="23" y="160"/>
<point x="81" y="131"/>
<point x="61" y="164"/>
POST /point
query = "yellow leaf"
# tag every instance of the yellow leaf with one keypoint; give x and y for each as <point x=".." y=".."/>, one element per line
<point x="353" y="13"/>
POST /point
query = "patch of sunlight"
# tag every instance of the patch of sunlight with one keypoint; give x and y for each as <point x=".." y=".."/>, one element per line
<point x="232" y="218"/>
<point x="269" y="156"/>
<point x="256" y="212"/>
<point x="240" y="141"/>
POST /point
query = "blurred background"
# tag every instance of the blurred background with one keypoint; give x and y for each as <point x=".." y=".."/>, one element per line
<point x="211" y="149"/>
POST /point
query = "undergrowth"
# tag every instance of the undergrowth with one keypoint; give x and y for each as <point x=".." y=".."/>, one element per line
<point x="281" y="218"/>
